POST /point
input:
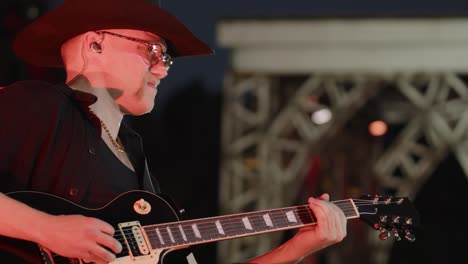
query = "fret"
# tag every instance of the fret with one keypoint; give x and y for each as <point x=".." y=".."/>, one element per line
<point x="236" y="226"/>
<point x="165" y="236"/>
<point x="189" y="232"/>
<point x="196" y="230"/>
<point x="171" y="237"/>
<point x="182" y="232"/>
<point x="258" y="222"/>
<point x="220" y="228"/>
<point x="348" y="208"/>
<point x="176" y="234"/>
<point x="304" y="215"/>
<point x="268" y="221"/>
<point x="208" y="230"/>
<point x="152" y="237"/>
<point x="229" y="226"/>
<point x="247" y="223"/>
<point x="279" y="218"/>
<point x="292" y="217"/>
<point x="160" y="238"/>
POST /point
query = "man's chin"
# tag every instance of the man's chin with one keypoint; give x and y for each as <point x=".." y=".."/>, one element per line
<point x="141" y="109"/>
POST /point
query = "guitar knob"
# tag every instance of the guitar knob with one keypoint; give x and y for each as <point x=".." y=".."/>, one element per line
<point x="410" y="237"/>
<point x="142" y="207"/>
<point x="384" y="234"/>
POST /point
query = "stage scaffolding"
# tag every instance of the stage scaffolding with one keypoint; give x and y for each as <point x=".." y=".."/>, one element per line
<point x="284" y="71"/>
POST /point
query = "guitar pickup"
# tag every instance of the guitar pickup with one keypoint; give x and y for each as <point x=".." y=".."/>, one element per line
<point x="135" y="239"/>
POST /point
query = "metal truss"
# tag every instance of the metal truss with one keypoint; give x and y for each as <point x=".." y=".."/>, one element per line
<point x="268" y="135"/>
<point x="267" y="141"/>
<point x="268" y="138"/>
<point x="439" y="125"/>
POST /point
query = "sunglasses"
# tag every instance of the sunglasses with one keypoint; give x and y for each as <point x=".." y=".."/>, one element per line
<point x="155" y="50"/>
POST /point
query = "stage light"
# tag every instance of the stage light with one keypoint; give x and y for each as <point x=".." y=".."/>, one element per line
<point x="321" y="116"/>
<point x="378" y="128"/>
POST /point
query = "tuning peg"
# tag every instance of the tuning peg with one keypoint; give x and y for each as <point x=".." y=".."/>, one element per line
<point x="389" y="200"/>
<point x="383" y="218"/>
<point x="396" y="219"/>
<point x="376" y="198"/>
<point x="400" y="201"/>
<point x="384" y="234"/>
<point x="409" y="221"/>
<point x="396" y="234"/>
<point x="408" y="236"/>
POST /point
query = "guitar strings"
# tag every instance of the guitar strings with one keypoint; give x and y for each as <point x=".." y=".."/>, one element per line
<point x="230" y="224"/>
<point x="203" y="224"/>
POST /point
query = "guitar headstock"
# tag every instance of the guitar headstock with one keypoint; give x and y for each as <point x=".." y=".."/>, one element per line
<point x="395" y="216"/>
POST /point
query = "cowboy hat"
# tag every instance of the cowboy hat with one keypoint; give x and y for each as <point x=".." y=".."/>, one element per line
<point x="39" y="43"/>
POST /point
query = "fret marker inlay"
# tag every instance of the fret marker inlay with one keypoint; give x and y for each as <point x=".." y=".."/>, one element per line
<point x="170" y="234"/>
<point x="291" y="217"/>
<point x="195" y="230"/>
<point x="247" y="223"/>
<point x="183" y="233"/>
<point x="219" y="227"/>
<point x="159" y="236"/>
<point x="267" y="219"/>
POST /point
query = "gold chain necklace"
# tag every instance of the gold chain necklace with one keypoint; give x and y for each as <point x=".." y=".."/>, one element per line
<point x="117" y="144"/>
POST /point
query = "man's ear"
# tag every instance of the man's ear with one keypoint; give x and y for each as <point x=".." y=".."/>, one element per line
<point x="92" y="41"/>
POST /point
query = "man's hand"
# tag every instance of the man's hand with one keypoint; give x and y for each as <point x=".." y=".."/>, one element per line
<point x="330" y="227"/>
<point x="77" y="236"/>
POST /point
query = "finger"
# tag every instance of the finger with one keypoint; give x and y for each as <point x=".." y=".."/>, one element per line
<point x="337" y="215"/>
<point x="105" y="227"/>
<point x="101" y="254"/>
<point x="343" y="222"/>
<point x="320" y="212"/>
<point x="109" y="242"/>
<point x="340" y="220"/>
<point x="325" y="197"/>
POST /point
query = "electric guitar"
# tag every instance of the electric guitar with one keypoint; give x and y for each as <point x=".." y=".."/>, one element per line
<point x="149" y="228"/>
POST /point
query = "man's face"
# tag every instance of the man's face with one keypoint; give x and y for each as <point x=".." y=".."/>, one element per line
<point x="128" y="71"/>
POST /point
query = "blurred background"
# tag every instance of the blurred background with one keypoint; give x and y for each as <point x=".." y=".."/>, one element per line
<point x="301" y="98"/>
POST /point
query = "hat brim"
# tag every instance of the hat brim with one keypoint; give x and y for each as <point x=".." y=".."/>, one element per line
<point x="40" y="42"/>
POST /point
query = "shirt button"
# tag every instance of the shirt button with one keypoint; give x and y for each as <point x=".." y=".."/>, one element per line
<point x="73" y="192"/>
<point x="92" y="151"/>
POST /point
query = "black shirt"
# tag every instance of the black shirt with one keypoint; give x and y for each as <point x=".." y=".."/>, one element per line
<point x="51" y="142"/>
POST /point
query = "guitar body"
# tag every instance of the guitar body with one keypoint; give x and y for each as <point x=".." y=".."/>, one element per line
<point x="127" y="208"/>
<point x="149" y="228"/>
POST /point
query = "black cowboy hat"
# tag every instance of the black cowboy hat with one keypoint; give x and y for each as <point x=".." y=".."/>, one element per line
<point x="39" y="43"/>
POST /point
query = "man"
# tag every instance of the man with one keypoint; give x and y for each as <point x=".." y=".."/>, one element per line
<point x="69" y="139"/>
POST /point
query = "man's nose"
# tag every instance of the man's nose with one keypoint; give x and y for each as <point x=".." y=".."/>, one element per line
<point x="159" y="70"/>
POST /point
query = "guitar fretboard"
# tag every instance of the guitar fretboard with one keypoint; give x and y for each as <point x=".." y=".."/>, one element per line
<point x="205" y="230"/>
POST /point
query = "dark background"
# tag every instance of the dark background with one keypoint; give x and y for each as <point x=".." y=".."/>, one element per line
<point x="182" y="135"/>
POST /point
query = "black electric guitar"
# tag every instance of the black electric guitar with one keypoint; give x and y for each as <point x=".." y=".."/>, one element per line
<point x="149" y="228"/>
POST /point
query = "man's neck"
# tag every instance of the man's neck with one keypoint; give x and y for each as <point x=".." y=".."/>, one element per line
<point x="105" y="107"/>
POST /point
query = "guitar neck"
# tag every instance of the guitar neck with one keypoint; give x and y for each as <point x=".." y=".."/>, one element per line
<point x="212" y="229"/>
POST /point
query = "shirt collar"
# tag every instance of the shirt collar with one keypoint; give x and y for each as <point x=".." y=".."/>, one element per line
<point x="84" y="100"/>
